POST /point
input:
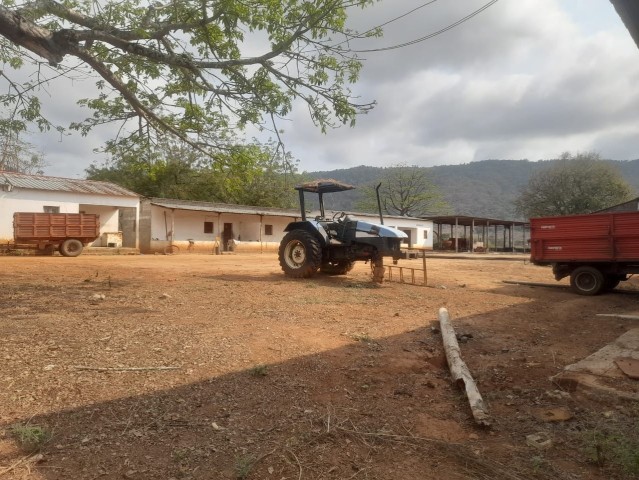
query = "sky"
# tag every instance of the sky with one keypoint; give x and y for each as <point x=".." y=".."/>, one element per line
<point x="524" y="79"/>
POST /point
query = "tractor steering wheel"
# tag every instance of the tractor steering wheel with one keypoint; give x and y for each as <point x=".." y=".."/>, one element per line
<point x="338" y="216"/>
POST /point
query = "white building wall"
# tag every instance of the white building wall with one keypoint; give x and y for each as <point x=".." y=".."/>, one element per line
<point x="421" y="231"/>
<point x="26" y="200"/>
<point x="249" y="230"/>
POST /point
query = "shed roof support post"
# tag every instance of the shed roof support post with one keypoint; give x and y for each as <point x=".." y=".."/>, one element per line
<point x="261" y="228"/>
<point x="512" y="235"/>
<point x="472" y="237"/>
<point x="456" y="234"/>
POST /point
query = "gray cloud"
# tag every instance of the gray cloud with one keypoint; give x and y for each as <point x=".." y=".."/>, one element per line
<point x="523" y="79"/>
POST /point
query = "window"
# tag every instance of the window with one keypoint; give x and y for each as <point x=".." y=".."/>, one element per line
<point x="208" y="227"/>
<point x="425" y="233"/>
<point x="51" y="209"/>
<point x="268" y="229"/>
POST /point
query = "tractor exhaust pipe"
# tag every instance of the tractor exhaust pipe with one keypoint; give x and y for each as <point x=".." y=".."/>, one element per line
<point x="379" y="204"/>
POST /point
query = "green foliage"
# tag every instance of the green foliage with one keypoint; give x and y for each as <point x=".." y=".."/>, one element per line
<point x="581" y="183"/>
<point x="243" y="174"/>
<point x="190" y="69"/>
<point x="31" y="438"/>
<point x="405" y="191"/>
<point x="259" y="371"/>
<point x="243" y="466"/>
<point x="611" y="448"/>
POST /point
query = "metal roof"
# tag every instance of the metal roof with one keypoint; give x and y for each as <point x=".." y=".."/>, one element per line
<point x="222" y="207"/>
<point x="324" y="186"/>
<point x="468" y="221"/>
<point x="59" y="184"/>
<point x="249" y="210"/>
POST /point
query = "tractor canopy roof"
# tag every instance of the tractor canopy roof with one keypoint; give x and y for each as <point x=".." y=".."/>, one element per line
<point x="324" y="186"/>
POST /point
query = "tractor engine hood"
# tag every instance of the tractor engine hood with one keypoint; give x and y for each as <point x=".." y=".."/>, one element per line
<point x="379" y="230"/>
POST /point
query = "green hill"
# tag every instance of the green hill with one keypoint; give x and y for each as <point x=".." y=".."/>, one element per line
<point x="486" y="188"/>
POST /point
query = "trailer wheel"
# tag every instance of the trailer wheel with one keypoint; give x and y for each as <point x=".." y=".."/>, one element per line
<point x="587" y="281"/>
<point x="300" y="254"/>
<point x="71" y="247"/>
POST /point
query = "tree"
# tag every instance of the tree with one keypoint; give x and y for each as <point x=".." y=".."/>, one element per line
<point x="581" y="183"/>
<point x="405" y="191"/>
<point x="248" y="174"/>
<point x="16" y="155"/>
<point x="184" y="67"/>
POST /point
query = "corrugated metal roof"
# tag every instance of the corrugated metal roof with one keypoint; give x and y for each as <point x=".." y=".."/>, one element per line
<point x="59" y="184"/>
<point x="222" y="207"/>
<point x="249" y="210"/>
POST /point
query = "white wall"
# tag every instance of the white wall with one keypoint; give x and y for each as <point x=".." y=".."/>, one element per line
<point x="418" y="229"/>
<point x="189" y="224"/>
<point x="26" y="200"/>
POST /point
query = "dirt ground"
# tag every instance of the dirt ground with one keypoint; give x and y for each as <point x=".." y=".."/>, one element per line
<point x="220" y="367"/>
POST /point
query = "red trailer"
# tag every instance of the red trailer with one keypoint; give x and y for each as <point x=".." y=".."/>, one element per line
<point x="597" y="250"/>
<point x="66" y="232"/>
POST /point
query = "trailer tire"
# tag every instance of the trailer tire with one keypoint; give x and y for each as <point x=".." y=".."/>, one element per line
<point x="300" y="254"/>
<point x="71" y="247"/>
<point x="587" y="281"/>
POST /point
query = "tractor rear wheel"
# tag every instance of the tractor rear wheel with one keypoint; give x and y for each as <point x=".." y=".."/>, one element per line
<point x="340" y="267"/>
<point x="300" y="254"/>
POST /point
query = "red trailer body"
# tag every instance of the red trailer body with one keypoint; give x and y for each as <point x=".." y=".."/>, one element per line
<point x="68" y="232"/>
<point x="599" y="249"/>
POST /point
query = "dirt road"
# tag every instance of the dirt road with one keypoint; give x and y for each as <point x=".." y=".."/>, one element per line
<point x="220" y="367"/>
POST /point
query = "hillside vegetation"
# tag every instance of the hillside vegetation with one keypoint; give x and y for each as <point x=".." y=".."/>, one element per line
<point x="486" y="188"/>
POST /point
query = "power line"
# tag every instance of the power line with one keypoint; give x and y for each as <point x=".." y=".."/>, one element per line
<point x="398" y="18"/>
<point x="430" y="35"/>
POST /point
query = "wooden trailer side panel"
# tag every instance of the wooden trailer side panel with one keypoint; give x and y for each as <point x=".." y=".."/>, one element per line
<point x="28" y="227"/>
<point x="605" y="237"/>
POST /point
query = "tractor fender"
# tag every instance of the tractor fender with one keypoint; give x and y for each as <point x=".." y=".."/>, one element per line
<point x="311" y="226"/>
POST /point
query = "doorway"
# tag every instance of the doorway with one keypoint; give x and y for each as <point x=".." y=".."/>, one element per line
<point x="227" y="236"/>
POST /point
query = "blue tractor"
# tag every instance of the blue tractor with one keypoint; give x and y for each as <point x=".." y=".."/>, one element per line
<point x="332" y="245"/>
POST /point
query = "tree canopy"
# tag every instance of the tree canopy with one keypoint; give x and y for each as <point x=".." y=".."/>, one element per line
<point x="243" y="174"/>
<point x="16" y="155"/>
<point x="405" y="191"/>
<point x="194" y="69"/>
<point x="579" y="183"/>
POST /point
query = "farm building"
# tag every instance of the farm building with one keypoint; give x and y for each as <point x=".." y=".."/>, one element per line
<point x="629" y="206"/>
<point x="118" y="208"/>
<point x="209" y="227"/>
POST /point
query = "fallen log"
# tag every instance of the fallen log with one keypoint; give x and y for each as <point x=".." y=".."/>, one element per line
<point x="124" y="369"/>
<point x="459" y="371"/>
<point x="535" y="284"/>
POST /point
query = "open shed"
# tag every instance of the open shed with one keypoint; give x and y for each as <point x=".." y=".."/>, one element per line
<point x="462" y="233"/>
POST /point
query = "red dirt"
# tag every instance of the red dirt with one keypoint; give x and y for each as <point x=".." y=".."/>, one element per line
<point x="326" y="378"/>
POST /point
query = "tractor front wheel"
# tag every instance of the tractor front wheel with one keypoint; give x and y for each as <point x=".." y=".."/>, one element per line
<point x="300" y="254"/>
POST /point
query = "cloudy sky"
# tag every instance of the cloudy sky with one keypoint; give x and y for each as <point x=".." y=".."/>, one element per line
<point x="524" y="79"/>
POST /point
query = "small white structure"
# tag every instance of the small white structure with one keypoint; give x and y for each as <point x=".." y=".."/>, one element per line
<point x="216" y="227"/>
<point x="118" y="207"/>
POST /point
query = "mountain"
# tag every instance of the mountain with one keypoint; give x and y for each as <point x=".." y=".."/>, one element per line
<point x="486" y="188"/>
